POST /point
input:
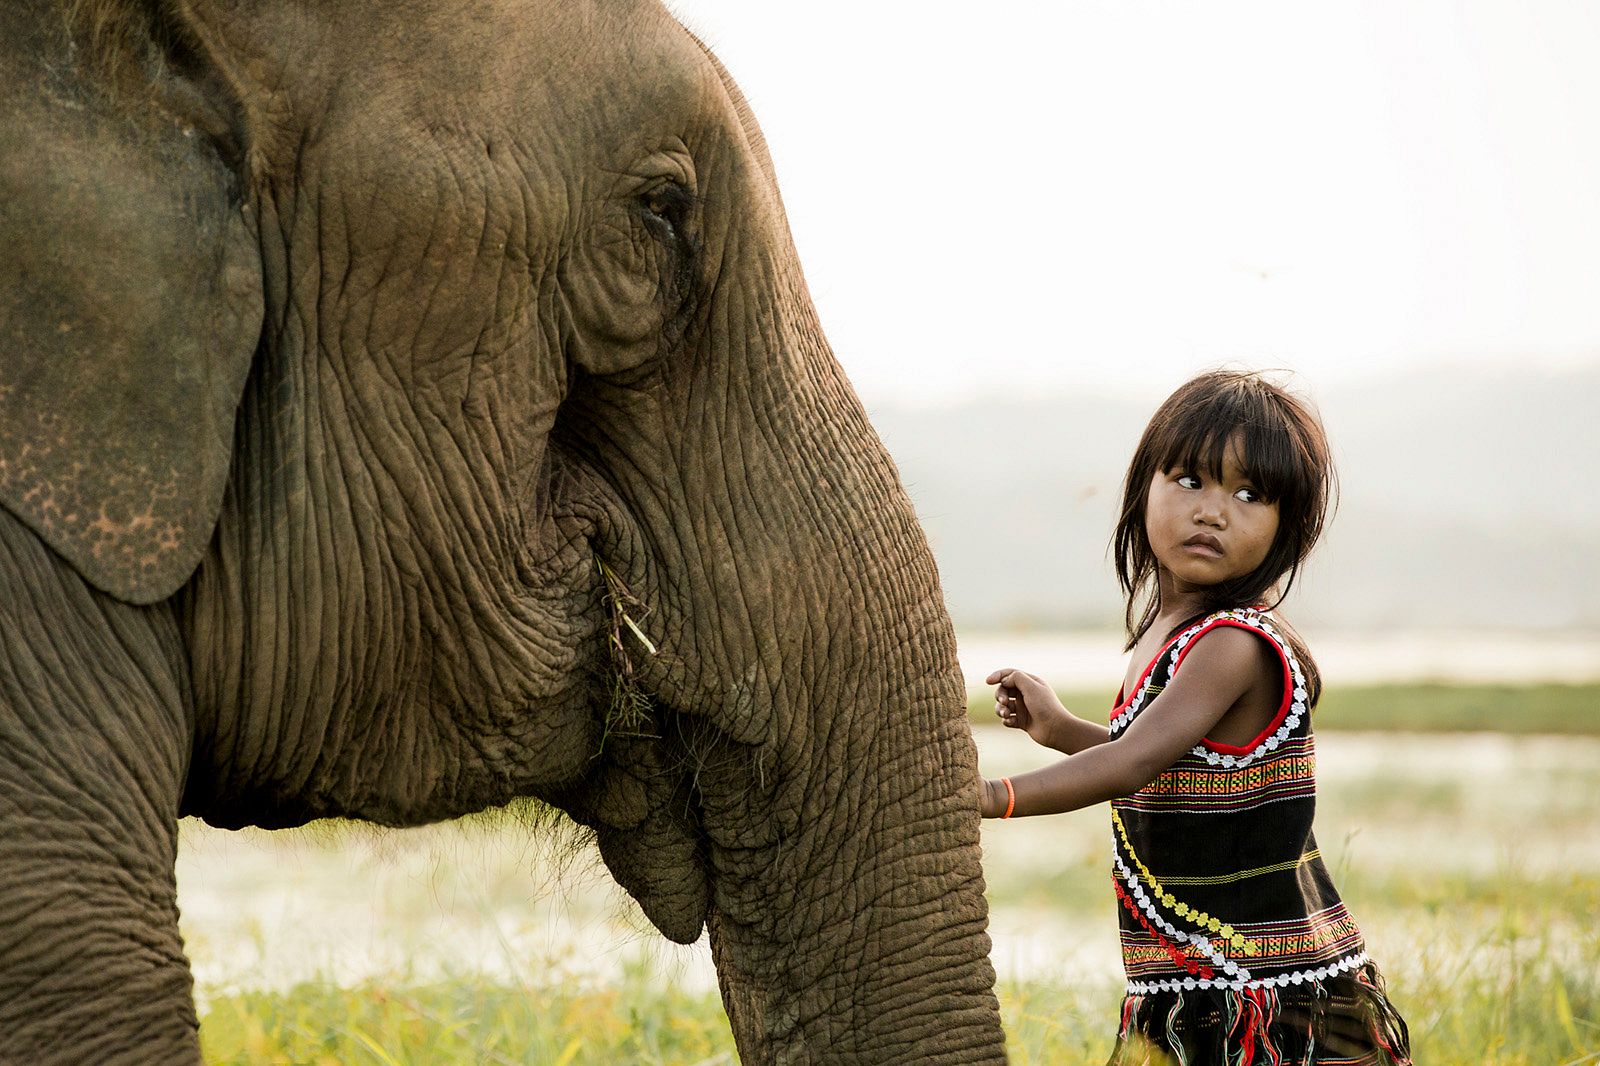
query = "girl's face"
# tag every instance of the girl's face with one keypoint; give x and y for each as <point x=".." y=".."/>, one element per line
<point x="1204" y="530"/>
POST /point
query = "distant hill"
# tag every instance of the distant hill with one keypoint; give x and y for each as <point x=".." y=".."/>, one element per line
<point x="1468" y="500"/>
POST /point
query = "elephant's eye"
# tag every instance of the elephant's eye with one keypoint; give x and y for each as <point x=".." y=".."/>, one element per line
<point x="666" y="209"/>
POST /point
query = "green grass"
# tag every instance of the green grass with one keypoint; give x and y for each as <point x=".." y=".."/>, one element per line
<point x="1432" y="708"/>
<point x="1424" y="707"/>
<point x="1525" y="1002"/>
<point x="468" y="1020"/>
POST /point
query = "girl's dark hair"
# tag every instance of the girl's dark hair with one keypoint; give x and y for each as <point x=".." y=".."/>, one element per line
<point x="1283" y="451"/>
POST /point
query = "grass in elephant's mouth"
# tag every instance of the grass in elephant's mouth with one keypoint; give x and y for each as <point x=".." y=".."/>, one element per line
<point x="629" y="710"/>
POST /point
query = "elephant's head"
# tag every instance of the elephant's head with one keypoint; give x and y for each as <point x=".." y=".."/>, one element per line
<point x="449" y="368"/>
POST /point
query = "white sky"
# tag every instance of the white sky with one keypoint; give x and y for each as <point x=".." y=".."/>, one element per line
<point x="1048" y="195"/>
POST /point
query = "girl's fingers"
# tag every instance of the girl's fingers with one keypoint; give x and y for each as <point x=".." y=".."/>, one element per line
<point x="999" y="677"/>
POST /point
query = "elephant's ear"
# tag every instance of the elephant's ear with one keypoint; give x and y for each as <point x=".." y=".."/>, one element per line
<point x="130" y="306"/>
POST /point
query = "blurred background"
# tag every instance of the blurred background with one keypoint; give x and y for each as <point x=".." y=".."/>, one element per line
<point x="1022" y="230"/>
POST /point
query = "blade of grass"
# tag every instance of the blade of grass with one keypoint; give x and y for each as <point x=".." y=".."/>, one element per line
<point x="372" y="1045"/>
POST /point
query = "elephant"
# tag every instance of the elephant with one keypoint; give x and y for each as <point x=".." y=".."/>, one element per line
<point x="408" y="408"/>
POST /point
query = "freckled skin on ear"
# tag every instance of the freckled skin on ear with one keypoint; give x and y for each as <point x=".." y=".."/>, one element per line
<point x="116" y="409"/>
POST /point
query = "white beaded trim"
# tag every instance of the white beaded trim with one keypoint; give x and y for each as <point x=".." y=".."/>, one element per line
<point x="1297" y="704"/>
<point x="1121" y="721"/>
<point x="1282" y="980"/>
<point x="1298" y="694"/>
<point x="1136" y="887"/>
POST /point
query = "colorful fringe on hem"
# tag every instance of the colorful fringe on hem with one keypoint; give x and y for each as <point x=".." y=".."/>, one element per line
<point x="1346" y="1020"/>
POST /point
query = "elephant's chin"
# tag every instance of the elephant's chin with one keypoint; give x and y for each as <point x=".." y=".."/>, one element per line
<point x="660" y="868"/>
<point x="646" y="816"/>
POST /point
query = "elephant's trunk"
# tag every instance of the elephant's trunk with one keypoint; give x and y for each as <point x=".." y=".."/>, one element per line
<point x="858" y="935"/>
<point x="811" y="700"/>
<point x="862" y="938"/>
<point x="822" y="818"/>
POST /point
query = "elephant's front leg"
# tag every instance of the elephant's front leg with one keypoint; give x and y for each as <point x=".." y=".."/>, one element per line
<point x="94" y="741"/>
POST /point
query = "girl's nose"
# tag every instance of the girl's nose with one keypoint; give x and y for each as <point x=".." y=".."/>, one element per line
<point x="1207" y="513"/>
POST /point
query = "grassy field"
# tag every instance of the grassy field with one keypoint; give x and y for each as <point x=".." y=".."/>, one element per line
<point x="1472" y="862"/>
<point x="1535" y="1015"/>
<point x="1538" y="1004"/>
<point x="469" y="1020"/>
<point x="1572" y="710"/>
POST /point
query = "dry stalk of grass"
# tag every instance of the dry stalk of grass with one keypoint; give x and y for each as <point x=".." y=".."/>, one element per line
<point x="629" y="711"/>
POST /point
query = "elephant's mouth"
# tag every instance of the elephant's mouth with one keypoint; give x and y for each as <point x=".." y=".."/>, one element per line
<point x="640" y="797"/>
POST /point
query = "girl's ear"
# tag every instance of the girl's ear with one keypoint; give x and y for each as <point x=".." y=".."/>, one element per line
<point x="130" y="303"/>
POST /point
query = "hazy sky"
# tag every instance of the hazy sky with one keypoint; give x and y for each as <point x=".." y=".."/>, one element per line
<point x="1043" y="195"/>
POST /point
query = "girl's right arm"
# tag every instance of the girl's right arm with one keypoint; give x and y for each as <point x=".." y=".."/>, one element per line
<point x="1024" y="701"/>
<point x="1226" y="670"/>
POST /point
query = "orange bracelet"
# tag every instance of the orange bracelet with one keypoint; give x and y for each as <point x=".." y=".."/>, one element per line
<point x="1011" y="797"/>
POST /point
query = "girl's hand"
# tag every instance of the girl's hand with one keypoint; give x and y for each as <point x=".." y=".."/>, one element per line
<point x="1024" y="701"/>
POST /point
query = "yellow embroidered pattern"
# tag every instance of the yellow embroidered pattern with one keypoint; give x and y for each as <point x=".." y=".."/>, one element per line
<point x="1326" y="936"/>
<point x="1237" y="941"/>
<point x="1228" y="879"/>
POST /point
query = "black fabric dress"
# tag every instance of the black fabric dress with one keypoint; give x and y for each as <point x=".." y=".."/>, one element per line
<point x="1237" y="948"/>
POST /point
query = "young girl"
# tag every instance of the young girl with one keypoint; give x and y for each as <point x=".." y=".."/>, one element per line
<point x="1236" y="946"/>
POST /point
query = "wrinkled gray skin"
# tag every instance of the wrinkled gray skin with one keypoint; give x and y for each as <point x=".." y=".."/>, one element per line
<point x="337" y="342"/>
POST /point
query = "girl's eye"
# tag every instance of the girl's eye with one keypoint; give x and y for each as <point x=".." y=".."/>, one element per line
<point x="1188" y="481"/>
<point x="1248" y="495"/>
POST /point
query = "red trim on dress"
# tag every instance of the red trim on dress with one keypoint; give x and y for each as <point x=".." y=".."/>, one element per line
<point x="1118" y="707"/>
<point x="1288" y="686"/>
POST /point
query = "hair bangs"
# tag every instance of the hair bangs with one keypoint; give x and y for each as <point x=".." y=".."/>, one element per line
<point x="1242" y="424"/>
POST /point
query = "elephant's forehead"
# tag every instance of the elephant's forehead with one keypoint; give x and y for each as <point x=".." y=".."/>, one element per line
<point x="599" y="78"/>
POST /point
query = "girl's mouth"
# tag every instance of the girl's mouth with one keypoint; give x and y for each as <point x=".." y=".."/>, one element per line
<point x="1204" y="544"/>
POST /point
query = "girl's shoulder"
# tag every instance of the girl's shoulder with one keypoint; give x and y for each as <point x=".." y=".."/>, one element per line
<point x="1253" y="630"/>
<point x="1260" y="651"/>
<point x="1288" y="650"/>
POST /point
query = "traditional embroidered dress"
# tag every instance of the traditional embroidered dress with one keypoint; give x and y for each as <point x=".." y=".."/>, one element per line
<point x="1237" y="947"/>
